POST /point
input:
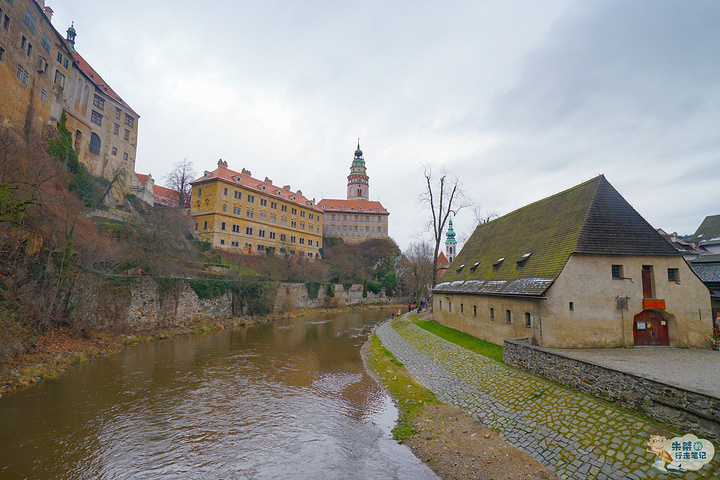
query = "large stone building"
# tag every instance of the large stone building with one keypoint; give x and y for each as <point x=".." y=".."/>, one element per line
<point x="356" y="218"/>
<point x="42" y="75"/>
<point x="578" y="269"/>
<point x="236" y="212"/>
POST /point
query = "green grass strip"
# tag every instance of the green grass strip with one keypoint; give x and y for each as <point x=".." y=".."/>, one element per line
<point x="410" y="396"/>
<point x="462" y="339"/>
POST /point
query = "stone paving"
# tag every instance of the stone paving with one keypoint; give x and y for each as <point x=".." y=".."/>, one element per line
<point x="577" y="436"/>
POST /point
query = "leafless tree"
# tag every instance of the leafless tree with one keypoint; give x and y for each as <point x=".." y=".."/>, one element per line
<point x="419" y="268"/>
<point x="443" y="197"/>
<point x="179" y="180"/>
<point x="482" y="216"/>
<point x="118" y="175"/>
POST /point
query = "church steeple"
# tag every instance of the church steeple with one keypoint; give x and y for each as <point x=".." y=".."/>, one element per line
<point x="358" y="186"/>
<point x="450" y="244"/>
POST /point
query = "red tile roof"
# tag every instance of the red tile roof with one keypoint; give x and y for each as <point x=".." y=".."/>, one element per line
<point x="166" y="196"/>
<point x="442" y="260"/>
<point x="95" y="77"/>
<point x="355" y="206"/>
<point x="142" y="178"/>
<point x="245" y="180"/>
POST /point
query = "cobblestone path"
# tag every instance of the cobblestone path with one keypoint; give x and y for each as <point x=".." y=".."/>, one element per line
<point x="577" y="436"/>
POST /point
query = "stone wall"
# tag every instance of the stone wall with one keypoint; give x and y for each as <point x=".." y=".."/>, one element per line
<point x="691" y="412"/>
<point x="291" y="296"/>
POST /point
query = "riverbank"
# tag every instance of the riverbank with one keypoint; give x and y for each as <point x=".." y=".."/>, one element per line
<point x="451" y="442"/>
<point x="58" y="350"/>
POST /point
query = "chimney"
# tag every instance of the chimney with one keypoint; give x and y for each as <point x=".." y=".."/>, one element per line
<point x="268" y="181"/>
<point x="41" y="3"/>
<point x="48" y="13"/>
<point x="246" y="172"/>
<point x="299" y="192"/>
<point x="286" y="187"/>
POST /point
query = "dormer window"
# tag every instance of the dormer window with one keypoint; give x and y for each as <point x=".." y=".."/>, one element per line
<point x="523" y="260"/>
<point x="262" y="187"/>
<point x="474" y="267"/>
<point x="497" y="264"/>
<point x="459" y="269"/>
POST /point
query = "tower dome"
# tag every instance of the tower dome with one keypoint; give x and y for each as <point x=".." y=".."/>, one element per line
<point x="450" y="243"/>
<point x="358" y="186"/>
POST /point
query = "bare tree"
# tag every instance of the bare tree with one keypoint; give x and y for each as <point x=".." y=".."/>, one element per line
<point x="482" y="216"/>
<point x="419" y="268"/>
<point x="179" y="180"/>
<point x="118" y="175"/>
<point x="443" y="196"/>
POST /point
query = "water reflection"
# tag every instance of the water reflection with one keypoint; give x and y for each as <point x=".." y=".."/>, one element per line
<point x="284" y="400"/>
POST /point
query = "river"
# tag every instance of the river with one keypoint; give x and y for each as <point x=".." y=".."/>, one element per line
<point x="285" y="400"/>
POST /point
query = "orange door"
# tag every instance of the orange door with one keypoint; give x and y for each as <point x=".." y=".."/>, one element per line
<point x="650" y="328"/>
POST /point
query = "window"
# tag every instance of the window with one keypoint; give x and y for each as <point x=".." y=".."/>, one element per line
<point x="571" y="305"/>
<point x="302" y="241"/>
<point x="45" y="42"/>
<point x="2" y="54"/>
<point x="283" y="237"/>
<point x="235" y="244"/>
<point x="283" y="222"/>
<point x="273" y="219"/>
<point x="294" y="211"/>
<point x="6" y="23"/>
<point x="238" y="195"/>
<point x="302" y="213"/>
<point x="222" y="226"/>
<point x="498" y="264"/>
<point x="492" y="314"/>
<point x="673" y="275"/>
<point x="528" y="320"/>
<point x="236" y="228"/>
<point x="204" y="225"/>
<point x="249" y="213"/>
<point x="196" y="226"/>
<point x="261" y="233"/>
<point x="224" y="207"/>
<point x="127" y="134"/>
<point x="508" y="316"/>
<point x="272" y="235"/>
<point x="474" y="310"/>
<point x="617" y="272"/>
<point x="263" y="217"/>
<point x="95" y="144"/>
<point x="117" y="111"/>
<point x="310" y="242"/>
<point x="449" y="306"/>
<point x="20" y="72"/>
<point x="251" y="198"/>
<point x="248" y="230"/>
<point x="222" y="242"/>
<point x="474" y="267"/>
<point x="116" y="129"/>
<point x="96" y="118"/>
<point x="523" y="260"/>
<point x="273" y="205"/>
<point x="60" y="57"/>
<point x="440" y="305"/>
<point x="263" y="202"/>
<point x="43" y="95"/>
<point x="65" y="63"/>
<point x="99" y="102"/>
<point x="125" y="156"/>
<point x="199" y="191"/>
<point x="283" y="208"/>
<point x="312" y="216"/>
<point x="114" y="150"/>
<point x="293" y="224"/>
<point x="30" y="21"/>
<point x="129" y="121"/>
<point x="59" y="79"/>
<point x="462" y="308"/>
<point x="292" y="239"/>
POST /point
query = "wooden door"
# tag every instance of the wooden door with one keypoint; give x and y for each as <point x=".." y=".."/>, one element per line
<point x="647" y="282"/>
<point x="650" y="328"/>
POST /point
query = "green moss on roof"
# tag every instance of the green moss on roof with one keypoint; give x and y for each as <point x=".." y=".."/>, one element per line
<point x="589" y="218"/>
<point x="708" y="229"/>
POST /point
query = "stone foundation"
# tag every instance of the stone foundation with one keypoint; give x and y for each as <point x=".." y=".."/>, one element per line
<point x="691" y="412"/>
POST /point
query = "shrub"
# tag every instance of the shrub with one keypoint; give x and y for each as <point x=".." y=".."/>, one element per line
<point x="313" y="288"/>
<point x="330" y="292"/>
<point x="374" y="287"/>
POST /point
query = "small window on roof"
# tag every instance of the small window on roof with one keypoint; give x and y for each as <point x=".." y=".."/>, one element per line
<point x="459" y="269"/>
<point x="523" y="260"/>
<point x="497" y="264"/>
<point x="474" y="267"/>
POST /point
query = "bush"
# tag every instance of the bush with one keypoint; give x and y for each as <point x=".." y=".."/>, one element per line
<point x="374" y="287"/>
<point x="254" y="297"/>
<point x="209" y="288"/>
<point x="313" y="288"/>
<point x="330" y="292"/>
<point x="347" y="286"/>
<point x="365" y="288"/>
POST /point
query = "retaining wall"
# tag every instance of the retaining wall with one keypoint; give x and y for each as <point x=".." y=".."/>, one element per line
<point x="689" y="411"/>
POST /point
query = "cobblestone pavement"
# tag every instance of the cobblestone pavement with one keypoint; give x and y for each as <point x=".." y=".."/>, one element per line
<point x="682" y="367"/>
<point x="577" y="436"/>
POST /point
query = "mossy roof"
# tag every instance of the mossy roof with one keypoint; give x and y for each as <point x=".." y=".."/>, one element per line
<point x="590" y="218"/>
<point x="708" y="230"/>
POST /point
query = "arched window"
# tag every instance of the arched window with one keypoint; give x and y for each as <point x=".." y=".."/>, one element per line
<point x="95" y="144"/>
<point x="78" y="140"/>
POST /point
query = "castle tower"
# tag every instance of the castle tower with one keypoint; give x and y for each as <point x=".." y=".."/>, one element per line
<point x="358" y="186"/>
<point x="450" y="244"/>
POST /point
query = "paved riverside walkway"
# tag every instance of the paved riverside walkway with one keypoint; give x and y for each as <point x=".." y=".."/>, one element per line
<point x="577" y="436"/>
<point x="687" y="368"/>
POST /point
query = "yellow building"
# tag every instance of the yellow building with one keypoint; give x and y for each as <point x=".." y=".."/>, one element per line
<point x="236" y="212"/>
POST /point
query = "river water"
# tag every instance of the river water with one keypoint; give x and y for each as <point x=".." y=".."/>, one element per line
<point x="286" y="400"/>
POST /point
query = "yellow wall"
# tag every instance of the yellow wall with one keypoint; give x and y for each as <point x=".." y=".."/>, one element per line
<point x="207" y="203"/>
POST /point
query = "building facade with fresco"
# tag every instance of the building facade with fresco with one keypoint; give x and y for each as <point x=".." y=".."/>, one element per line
<point x="236" y="212"/>
<point x="355" y="218"/>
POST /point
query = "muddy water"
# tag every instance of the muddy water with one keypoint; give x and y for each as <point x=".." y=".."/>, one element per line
<point x="288" y="400"/>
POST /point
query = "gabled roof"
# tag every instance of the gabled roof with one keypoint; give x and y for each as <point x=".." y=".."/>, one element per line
<point x="222" y="172"/>
<point x="708" y="231"/>
<point x="166" y="196"/>
<point x="523" y="252"/>
<point x="339" y="205"/>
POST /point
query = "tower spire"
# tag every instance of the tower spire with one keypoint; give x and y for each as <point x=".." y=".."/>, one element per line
<point x="450" y="243"/>
<point x="358" y="186"/>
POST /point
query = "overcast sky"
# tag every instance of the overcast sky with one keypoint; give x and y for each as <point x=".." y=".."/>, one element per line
<point x="518" y="99"/>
